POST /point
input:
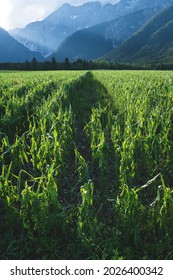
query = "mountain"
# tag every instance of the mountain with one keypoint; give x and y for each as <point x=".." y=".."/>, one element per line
<point x="152" y="43"/>
<point x="83" y="44"/>
<point x="99" y="39"/>
<point x="12" y="51"/>
<point x="48" y="34"/>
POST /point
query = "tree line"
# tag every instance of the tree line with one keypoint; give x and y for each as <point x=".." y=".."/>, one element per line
<point x="79" y="64"/>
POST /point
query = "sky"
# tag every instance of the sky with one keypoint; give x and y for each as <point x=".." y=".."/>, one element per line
<point x="18" y="13"/>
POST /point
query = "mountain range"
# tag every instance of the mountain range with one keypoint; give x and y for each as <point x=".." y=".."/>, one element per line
<point x="94" y="42"/>
<point x="48" y="34"/>
<point x="132" y="31"/>
<point x="152" y="43"/>
<point x="12" y="51"/>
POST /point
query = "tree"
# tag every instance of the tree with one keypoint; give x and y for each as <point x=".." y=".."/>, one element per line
<point x="66" y="63"/>
<point x="54" y="64"/>
<point x="26" y="65"/>
<point x="34" y="64"/>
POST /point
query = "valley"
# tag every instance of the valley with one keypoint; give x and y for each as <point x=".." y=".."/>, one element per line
<point x="135" y="32"/>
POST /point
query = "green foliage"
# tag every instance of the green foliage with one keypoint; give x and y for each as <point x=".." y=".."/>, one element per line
<point x="86" y="165"/>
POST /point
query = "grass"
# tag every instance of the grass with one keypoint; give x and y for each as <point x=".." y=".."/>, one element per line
<point x="86" y="165"/>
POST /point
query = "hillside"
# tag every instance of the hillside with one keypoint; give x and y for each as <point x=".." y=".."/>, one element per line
<point x="83" y="44"/>
<point x="97" y="40"/>
<point x="47" y="35"/>
<point x="12" y="51"/>
<point x="152" y="43"/>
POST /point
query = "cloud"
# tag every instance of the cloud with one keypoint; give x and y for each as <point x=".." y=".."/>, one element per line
<point x="5" y="9"/>
<point x="25" y="11"/>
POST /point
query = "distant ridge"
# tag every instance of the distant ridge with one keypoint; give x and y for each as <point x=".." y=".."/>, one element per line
<point x="13" y="51"/>
<point x="47" y="35"/>
<point x="99" y="39"/>
<point x="152" y="43"/>
<point x="120" y="32"/>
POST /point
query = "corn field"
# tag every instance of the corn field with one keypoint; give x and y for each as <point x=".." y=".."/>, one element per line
<point x="86" y="165"/>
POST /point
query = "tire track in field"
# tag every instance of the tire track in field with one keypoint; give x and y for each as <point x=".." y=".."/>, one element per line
<point x="88" y="94"/>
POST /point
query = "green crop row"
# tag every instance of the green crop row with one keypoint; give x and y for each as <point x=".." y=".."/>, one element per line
<point x="86" y="165"/>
